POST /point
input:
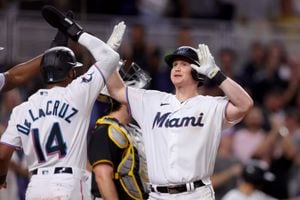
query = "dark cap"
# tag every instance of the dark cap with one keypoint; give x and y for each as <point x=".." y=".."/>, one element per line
<point x="186" y="53"/>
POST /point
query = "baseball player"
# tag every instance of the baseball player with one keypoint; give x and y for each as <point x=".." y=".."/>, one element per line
<point x="51" y="126"/>
<point x="182" y="131"/>
<point x="112" y="151"/>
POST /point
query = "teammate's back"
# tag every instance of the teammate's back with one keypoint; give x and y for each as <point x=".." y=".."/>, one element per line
<point x="52" y="125"/>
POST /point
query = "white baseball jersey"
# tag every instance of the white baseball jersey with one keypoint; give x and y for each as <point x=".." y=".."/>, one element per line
<point x="181" y="138"/>
<point x="52" y="125"/>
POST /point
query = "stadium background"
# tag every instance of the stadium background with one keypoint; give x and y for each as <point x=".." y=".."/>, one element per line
<point x="229" y="27"/>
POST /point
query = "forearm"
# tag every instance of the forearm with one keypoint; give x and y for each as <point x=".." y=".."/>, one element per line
<point x="238" y="97"/>
<point x="3" y="171"/>
<point x="21" y="73"/>
<point x="117" y="88"/>
<point x="5" y="156"/>
<point x="107" y="188"/>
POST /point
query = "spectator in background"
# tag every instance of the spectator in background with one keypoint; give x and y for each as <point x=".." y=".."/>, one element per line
<point x="113" y="7"/>
<point x="227" y="59"/>
<point x="152" y="9"/>
<point x="248" y="138"/>
<point x="255" y="175"/>
<point x="292" y="122"/>
<point x="279" y="150"/>
<point x="276" y="71"/>
<point x="206" y="9"/>
<point x="255" y="63"/>
<point x="252" y="10"/>
<point x="297" y="101"/>
<point x="289" y="12"/>
<point x="227" y="167"/>
<point x="138" y="50"/>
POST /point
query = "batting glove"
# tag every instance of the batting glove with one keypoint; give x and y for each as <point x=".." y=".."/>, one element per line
<point x="116" y="36"/>
<point x="207" y="66"/>
<point x="60" y="38"/>
<point x="58" y="20"/>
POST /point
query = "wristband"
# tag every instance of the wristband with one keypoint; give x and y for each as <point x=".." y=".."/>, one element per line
<point x="2" y="179"/>
<point x="219" y="78"/>
<point x="2" y="80"/>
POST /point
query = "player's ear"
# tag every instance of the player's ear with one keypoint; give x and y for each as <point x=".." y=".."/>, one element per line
<point x="72" y="74"/>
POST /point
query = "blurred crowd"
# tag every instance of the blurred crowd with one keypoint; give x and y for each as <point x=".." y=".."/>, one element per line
<point x="270" y="132"/>
<point x="283" y="10"/>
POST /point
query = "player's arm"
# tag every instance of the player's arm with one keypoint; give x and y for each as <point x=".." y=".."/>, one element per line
<point x="106" y="58"/>
<point x="103" y="176"/>
<point x="101" y="150"/>
<point x="6" y="152"/>
<point x="239" y="100"/>
<point x="20" y="74"/>
<point x="116" y="88"/>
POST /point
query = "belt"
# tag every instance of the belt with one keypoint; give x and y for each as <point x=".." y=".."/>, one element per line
<point x="57" y="170"/>
<point x="173" y="189"/>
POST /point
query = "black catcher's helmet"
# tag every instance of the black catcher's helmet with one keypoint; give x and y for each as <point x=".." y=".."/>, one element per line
<point x="56" y="63"/>
<point x="188" y="54"/>
<point x="134" y="76"/>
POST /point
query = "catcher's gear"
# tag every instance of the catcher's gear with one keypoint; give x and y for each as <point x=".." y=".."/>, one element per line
<point x="58" y="20"/>
<point x="116" y="37"/>
<point x="60" y="38"/>
<point x="133" y="77"/>
<point x="56" y="63"/>
<point x="188" y="54"/>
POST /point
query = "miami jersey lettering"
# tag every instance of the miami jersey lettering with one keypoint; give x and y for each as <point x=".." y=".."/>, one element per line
<point x="178" y="129"/>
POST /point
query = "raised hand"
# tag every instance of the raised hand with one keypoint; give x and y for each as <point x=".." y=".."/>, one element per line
<point x="116" y="36"/>
<point x="65" y="24"/>
<point x="207" y="66"/>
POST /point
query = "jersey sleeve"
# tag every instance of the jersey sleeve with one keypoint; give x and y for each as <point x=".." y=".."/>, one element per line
<point x="11" y="136"/>
<point x="135" y="101"/>
<point x="100" y="148"/>
<point x="222" y="103"/>
<point x="87" y="86"/>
